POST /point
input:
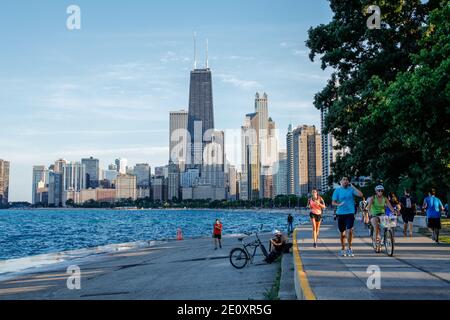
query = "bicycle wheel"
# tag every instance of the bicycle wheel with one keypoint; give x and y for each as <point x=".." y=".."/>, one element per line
<point x="389" y="242"/>
<point x="238" y="258"/>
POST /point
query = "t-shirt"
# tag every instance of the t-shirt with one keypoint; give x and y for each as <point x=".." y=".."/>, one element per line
<point x="218" y="228"/>
<point x="345" y="195"/>
<point x="434" y="206"/>
<point x="407" y="204"/>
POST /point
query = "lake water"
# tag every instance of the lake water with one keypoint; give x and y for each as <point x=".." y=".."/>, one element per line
<point x="25" y="233"/>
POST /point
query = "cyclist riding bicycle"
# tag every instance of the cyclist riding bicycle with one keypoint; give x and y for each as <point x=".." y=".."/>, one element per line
<point x="376" y="207"/>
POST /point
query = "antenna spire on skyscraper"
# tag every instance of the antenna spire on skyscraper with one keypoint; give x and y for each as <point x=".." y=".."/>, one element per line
<point x="195" y="50"/>
<point x="207" y="49"/>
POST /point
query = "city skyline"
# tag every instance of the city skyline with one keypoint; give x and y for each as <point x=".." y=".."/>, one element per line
<point x="50" y="114"/>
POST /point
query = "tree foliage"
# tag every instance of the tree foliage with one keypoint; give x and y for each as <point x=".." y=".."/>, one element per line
<point x="388" y="98"/>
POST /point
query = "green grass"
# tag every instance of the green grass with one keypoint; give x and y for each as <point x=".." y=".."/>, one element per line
<point x="444" y="234"/>
<point x="272" y="293"/>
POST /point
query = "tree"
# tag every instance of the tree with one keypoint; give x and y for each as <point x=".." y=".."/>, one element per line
<point x="374" y="108"/>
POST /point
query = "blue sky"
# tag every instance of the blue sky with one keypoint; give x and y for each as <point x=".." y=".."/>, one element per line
<point x="106" y="90"/>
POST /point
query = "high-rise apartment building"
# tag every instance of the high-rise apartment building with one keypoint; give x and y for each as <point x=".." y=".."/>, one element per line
<point x="92" y="169"/>
<point x="55" y="189"/>
<point x="304" y="160"/>
<point x="142" y="171"/>
<point x="280" y="175"/>
<point x="39" y="175"/>
<point x="121" y="165"/>
<point x="173" y="182"/>
<point x="259" y="150"/>
<point x="178" y="136"/>
<point x="126" y="187"/>
<point x="74" y="176"/>
<point x="4" y="181"/>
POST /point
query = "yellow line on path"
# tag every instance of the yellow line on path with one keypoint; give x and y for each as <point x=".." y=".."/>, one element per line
<point x="304" y="283"/>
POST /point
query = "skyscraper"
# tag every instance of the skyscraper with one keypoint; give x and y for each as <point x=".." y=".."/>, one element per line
<point x="201" y="111"/>
<point x="59" y="164"/>
<point x="329" y="154"/>
<point x="74" y="176"/>
<point x="143" y="175"/>
<point x="259" y="150"/>
<point x="173" y="182"/>
<point x="126" y="187"/>
<point x="55" y="185"/>
<point x="250" y="157"/>
<point x="178" y="136"/>
<point x="304" y="160"/>
<point x="290" y="161"/>
<point x="39" y="173"/>
<point x="121" y="165"/>
<point x="92" y="169"/>
<point x="280" y="177"/>
<point x="4" y="181"/>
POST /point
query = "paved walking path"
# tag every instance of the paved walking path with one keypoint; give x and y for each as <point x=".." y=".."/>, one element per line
<point x="419" y="269"/>
<point x="178" y="270"/>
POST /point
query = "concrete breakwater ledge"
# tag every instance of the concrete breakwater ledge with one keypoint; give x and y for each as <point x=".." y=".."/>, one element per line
<point x="166" y="271"/>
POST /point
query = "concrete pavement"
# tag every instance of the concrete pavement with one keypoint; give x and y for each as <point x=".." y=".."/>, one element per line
<point x="419" y="269"/>
<point x="178" y="270"/>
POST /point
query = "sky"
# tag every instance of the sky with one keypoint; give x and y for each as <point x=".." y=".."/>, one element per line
<point x="106" y="90"/>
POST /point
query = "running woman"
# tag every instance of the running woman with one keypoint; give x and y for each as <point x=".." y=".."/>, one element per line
<point x="343" y="199"/>
<point x="377" y="207"/>
<point x="434" y="207"/>
<point x="316" y="205"/>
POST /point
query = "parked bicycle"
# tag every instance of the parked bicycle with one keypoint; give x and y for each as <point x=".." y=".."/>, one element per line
<point x="241" y="256"/>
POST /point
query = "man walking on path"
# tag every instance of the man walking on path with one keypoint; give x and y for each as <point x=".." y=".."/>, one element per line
<point x="408" y="211"/>
<point x="434" y="207"/>
<point x="343" y="199"/>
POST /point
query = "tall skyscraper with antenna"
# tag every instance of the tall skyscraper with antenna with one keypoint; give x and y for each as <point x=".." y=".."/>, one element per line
<point x="201" y="110"/>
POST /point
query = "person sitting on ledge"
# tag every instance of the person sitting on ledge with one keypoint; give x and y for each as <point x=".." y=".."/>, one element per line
<point x="279" y="246"/>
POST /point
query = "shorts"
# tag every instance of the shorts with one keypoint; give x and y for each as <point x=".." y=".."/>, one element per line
<point x="408" y="216"/>
<point x="217" y="236"/>
<point x="345" y="221"/>
<point x="434" y="223"/>
<point x="317" y="217"/>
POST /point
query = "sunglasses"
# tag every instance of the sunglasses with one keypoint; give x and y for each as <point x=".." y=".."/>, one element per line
<point x="380" y="191"/>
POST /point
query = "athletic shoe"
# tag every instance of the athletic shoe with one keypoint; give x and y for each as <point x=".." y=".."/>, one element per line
<point x="315" y="245"/>
<point x="342" y="253"/>
<point x="350" y="253"/>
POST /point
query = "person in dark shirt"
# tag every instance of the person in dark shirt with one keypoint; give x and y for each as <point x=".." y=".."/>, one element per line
<point x="408" y="211"/>
<point x="290" y="220"/>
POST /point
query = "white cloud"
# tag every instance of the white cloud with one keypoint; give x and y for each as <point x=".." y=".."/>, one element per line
<point x="235" y="81"/>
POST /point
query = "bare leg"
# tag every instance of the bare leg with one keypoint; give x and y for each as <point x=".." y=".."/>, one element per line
<point x="411" y="226"/>
<point x="318" y="230"/>
<point x="350" y="238"/>
<point x="343" y="240"/>
<point x="313" y="230"/>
